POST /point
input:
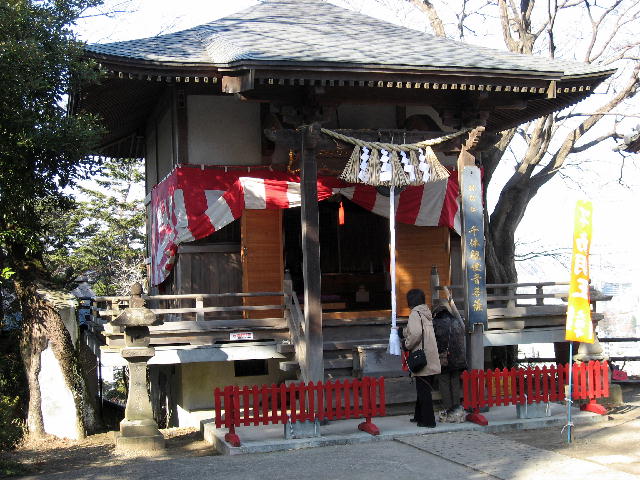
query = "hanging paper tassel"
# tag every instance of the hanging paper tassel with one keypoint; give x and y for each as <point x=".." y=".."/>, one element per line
<point x="436" y="169"/>
<point x="407" y="167"/>
<point x="341" y="214"/>
<point x="374" y="169"/>
<point x="363" y="172"/>
<point x="350" y="172"/>
<point x="399" y="177"/>
<point x="415" y="163"/>
<point x="386" y="168"/>
<point x="424" y="165"/>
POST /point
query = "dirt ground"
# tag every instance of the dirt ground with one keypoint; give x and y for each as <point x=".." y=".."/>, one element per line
<point x="53" y="455"/>
<point x="615" y="443"/>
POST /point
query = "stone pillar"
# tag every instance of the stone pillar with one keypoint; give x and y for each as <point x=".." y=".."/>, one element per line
<point x="138" y="430"/>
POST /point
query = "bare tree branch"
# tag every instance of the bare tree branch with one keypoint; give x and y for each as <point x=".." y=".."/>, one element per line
<point x="586" y="146"/>
<point x="427" y="7"/>
<point x="572" y="138"/>
<point x="506" y="27"/>
<point x="622" y="19"/>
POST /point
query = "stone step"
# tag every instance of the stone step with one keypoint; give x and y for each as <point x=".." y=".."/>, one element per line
<point x="289" y="366"/>
<point x="285" y="348"/>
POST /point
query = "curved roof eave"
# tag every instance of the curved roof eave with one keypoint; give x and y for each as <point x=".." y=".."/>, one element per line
<point x="353" y="68"/>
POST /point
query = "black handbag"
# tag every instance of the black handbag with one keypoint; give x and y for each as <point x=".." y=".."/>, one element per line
<point x="417" y="359"/>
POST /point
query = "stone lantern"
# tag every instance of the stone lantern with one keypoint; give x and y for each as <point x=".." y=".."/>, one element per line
<point x="138" y="430"/>
<point x="593" y="351"/>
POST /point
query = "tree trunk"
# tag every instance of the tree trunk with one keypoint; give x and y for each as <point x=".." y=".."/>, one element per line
<point x="500" y="249"/>
<point x="502" y="224"/>
<point x="44" y="327"/>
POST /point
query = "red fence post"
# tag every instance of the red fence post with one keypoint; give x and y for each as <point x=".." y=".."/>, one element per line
<point x="256" y="405"/>
<point x="264" y="398"/>
<point x="217" y="401"/>
<point x="595" y="384"/>
<point x="492" y="389"/>
<point x="283" y="403"/>
<point x="513" y="375"/>
<point x="553" y="384"/>
<point x="474" y="391"/>
<point x="329" y="400"/>
<point x="365" y="383"/>
<point x="322" y="403"/>
<point x="293" y="405"/>
<point x="231" y="407"/>
<point x="604" y="366"/>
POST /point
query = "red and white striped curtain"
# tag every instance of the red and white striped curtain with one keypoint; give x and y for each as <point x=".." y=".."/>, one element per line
<point x="192" y="203"/>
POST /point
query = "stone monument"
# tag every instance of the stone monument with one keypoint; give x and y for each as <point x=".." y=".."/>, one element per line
<point x="138" y="430"/>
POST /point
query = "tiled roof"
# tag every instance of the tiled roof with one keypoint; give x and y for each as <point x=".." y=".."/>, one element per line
<point x="313" y="33"/>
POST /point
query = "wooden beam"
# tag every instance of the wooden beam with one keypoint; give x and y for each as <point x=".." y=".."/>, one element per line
<point x="287" y="139"/>
<point x="181" y="126"/>
<point x="311" y="252"/>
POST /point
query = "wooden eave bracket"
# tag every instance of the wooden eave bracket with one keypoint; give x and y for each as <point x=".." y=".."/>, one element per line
<point x="551" y="90"/>
<point x="466" y="157"/>
<point x="474" y="138"/>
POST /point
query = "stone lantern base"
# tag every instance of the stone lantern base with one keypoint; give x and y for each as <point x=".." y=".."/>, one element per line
<point x="138" y="435"/>
<point x="137" y="440"/>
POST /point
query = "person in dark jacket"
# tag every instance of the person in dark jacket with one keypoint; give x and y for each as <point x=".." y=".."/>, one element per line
<point x="418" y="334"/>
<point x="450" y="336"/>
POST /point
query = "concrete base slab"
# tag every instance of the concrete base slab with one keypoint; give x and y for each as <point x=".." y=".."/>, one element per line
<point x="269" y="438"/>
<point x="506" y="459"/>
<point x="535" y="410"/>
<point x="148" y="443"/>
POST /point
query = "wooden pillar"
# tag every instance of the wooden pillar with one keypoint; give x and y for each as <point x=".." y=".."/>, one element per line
<point x="473" y="265"/>
<point x="180" y="127"/>
<point x="311" y="253"/>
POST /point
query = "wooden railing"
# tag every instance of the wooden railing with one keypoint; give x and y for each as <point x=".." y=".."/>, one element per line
<point x="295" y="321"/>
<point x="105" y="309"/>
<point x="510" y="295"/>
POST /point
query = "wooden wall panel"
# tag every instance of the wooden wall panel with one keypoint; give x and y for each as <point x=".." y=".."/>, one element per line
<point x="417" y="249"/>
<point x="207" y="272"/>
<point x="262" y="258"/>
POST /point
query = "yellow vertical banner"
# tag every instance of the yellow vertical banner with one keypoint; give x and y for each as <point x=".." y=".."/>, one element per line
<point x="579" y="327"/>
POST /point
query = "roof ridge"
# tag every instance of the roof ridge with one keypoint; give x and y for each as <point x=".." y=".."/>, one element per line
<point x="316" y="32"/>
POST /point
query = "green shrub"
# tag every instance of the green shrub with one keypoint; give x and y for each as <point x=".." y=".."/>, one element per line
<point x="11" y="425"/>
<point x="13" y="392"/>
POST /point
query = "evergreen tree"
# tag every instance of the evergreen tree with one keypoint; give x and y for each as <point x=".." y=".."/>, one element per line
<point x="103" y="237"/>
<point x="43" y="152"/>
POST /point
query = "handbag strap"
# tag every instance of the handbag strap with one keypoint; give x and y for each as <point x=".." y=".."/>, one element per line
<point x="422" y="325"/>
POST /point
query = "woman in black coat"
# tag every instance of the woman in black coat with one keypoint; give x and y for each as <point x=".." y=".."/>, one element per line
<point x="450" y="336"/>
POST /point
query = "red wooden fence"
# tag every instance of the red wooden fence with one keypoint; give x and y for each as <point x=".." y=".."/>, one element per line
<point x="517" y="386"/>
<point x="279" y="404"/>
